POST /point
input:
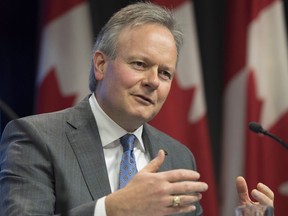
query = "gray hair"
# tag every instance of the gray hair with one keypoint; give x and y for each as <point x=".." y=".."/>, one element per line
<point x="136" y="14"/>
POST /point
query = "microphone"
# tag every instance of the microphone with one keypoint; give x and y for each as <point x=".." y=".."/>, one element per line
<point x="257" y="128"/>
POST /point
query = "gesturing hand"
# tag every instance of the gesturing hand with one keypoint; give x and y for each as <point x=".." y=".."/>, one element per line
<point x="262" y="194"/>
<point x="151" y="193"/>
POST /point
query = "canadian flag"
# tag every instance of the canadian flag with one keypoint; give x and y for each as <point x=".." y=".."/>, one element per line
<point x="66" y="43"/>
<point x="183" y="115"/>
<point x="255" y="90"/>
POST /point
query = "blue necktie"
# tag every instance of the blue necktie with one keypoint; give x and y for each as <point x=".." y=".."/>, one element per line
<point x="128" y="163"/>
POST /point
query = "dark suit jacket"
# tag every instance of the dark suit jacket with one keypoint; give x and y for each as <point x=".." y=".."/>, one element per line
<point x="53" y="163"/>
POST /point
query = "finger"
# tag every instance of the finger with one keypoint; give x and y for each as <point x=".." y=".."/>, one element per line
<point x="188" y="187"/>
<point x="186" y="200"/>
<point x="187" y="204"/>
<point x="179" y="209"/>
<point x="180" y="175"/>
<point x="261" y="198"/>
<point x="155" y="164"/>
<point x="265" y="190"/>
<point x="242" y="190"/>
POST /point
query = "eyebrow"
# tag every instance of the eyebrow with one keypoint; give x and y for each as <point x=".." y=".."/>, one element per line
<point x="149" y="61"/>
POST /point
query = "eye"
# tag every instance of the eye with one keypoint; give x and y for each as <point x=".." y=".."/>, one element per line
<point x="138" y="65"/>
<point x="166" y="75"/>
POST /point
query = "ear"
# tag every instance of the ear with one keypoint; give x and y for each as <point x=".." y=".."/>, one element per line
<point x="100" y="64"/>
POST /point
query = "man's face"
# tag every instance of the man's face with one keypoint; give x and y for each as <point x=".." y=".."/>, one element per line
<point x="132" y="88"/>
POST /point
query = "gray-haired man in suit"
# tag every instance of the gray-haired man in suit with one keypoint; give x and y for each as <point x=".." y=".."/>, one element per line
<point x="69" y="161"/>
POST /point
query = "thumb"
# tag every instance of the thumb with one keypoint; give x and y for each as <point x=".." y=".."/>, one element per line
<point x="155" y="164"/>
<point x="242" y="190"/>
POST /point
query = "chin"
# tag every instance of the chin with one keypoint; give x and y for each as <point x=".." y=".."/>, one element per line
<point x="144" y="115"/>
<point x="144" y="118"/>
<point x="149" y="118"/>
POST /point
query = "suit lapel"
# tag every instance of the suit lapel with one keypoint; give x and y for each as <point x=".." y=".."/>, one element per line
<point x="153" y="144"/>
<point x="83" y="135"/>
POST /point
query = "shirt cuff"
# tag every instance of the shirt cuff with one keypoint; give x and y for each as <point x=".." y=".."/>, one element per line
<point x="100" y="209"/>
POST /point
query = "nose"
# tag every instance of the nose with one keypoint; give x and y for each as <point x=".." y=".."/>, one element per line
<point x="151" y="79"/>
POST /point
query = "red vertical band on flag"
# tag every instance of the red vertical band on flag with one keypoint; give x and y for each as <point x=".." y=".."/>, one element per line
<point x="235" y="39"/>
<point x="55" y="8"/>
<point x="169" y="3"/>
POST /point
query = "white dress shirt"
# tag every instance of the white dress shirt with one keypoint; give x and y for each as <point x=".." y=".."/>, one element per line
<point x="110" y="133"/>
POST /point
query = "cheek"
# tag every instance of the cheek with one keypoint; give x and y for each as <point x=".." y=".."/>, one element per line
<point x="164" y="92"/>
<point x="129" y="79"/>
<point x="123" y="75"/>
<point x="115" y="78"/>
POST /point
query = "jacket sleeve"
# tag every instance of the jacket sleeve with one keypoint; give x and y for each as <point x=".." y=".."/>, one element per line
<point x="27" y="180"/>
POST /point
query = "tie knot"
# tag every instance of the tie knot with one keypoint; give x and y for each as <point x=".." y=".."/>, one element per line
<point x="127" y="142"/>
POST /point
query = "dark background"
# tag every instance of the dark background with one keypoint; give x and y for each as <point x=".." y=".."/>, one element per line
<point x="19" y="39"/>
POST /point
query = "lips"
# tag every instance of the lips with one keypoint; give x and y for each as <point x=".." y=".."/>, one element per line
<point x="142" y="97"/>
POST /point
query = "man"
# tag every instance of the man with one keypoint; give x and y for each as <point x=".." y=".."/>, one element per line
<point x="69" y="161"/>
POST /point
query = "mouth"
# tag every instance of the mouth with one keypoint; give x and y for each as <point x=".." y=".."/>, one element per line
<point x="145" y="99"/>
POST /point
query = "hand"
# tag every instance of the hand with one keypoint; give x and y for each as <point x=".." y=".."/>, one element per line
<point x="151" y="193"/>
<point x="262" y="194"/>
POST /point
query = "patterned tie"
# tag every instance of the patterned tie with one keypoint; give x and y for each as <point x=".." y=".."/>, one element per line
<point x="128" y="164"/>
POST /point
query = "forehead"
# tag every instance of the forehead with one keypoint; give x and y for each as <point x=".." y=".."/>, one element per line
<point x="137" y="30"/>
<point x="148" y="39"/>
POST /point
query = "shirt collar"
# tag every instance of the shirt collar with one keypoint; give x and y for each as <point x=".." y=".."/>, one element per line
<point x="109" y="130"/>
